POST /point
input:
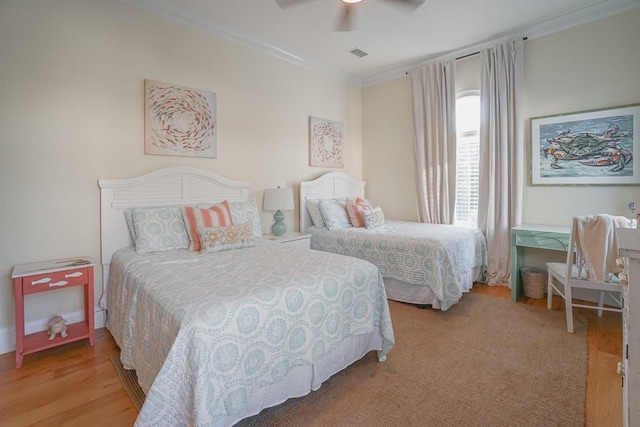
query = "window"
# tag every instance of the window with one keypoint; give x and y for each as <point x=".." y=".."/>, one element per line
<point x="467" y="157"/>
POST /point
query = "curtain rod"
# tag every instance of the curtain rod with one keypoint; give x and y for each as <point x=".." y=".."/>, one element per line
<point x="468" y="55"/>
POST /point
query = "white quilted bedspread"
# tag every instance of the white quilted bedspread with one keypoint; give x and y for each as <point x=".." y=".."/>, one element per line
<point x="204" y="331"/>
<point x="434" y="255"/>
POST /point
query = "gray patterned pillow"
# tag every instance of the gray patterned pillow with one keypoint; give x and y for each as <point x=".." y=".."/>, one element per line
<point x="334" y="214"/>
<point x="159" y="229"/>
<point x="313" y="207"/>
<point x="246" y="212"/>
<point x="128" y="217"/>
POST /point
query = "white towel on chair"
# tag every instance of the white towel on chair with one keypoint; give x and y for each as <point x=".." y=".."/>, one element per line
<point x="597" y="242"/>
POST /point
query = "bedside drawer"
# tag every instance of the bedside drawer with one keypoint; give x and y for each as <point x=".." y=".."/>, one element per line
<point x="55" y="280"/>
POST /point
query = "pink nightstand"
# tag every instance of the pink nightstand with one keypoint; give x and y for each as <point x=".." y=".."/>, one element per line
<point x="48" y="276"/>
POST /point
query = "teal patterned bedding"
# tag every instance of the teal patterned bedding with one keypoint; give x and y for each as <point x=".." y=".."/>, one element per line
<point x="205" y="331"/>
<point x="433" y="255"/>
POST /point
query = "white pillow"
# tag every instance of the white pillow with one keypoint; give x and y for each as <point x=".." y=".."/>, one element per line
<point x="246" y="212"/>
<point x="159" y="229"/>
<point x="334" y="214"/>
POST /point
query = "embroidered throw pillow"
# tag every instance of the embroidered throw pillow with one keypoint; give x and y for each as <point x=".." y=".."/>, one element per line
<point x="246" y="212"/>
<point x="354" y="210"/>
<point x="217" y="239"/>
<point x="373" y="217"/>
<point x="159" y="229"/>
<point x="334" y="214"/>
<point x="218" y="215"/>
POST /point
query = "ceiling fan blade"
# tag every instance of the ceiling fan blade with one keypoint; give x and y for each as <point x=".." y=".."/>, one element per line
<point x="410" y="5"/>
<point x="285" y="4"/>
<point x="346" y="21"/>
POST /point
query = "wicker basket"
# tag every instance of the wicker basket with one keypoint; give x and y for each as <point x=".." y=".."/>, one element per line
<point x="534" y="282"/>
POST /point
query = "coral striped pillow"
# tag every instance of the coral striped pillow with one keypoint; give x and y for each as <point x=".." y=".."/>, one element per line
<point x="354" y="210"/>
<point x="218" y="215"/>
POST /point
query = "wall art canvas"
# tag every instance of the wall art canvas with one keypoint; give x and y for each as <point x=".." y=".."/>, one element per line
<point x="325" y="143"/>
<point x="592" y="147"/>
<point x="179" y="121"/>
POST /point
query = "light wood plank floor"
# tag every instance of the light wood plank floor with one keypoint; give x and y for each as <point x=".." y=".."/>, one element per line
<point x="76" y="385"/>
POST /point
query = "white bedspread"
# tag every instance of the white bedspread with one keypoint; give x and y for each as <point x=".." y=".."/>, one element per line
<point x="438" y="256"/>
<point x="206" y="331"/>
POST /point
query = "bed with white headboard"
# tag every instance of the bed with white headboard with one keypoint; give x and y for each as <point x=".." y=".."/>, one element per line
<point x="174" y="186"/>
<point x="425" y="264"/>
<point x="193" y="323"/>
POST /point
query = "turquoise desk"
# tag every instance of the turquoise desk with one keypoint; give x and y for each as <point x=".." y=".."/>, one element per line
<point x="551" y="237"/>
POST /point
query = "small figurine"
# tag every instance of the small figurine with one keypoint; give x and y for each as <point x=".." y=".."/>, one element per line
<point x="57" y="325"/>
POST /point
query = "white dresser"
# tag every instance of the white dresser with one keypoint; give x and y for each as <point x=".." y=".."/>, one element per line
<point x="629" y="242"/>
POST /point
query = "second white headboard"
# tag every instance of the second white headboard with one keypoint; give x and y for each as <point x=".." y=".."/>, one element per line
<point x="328" y="186"/>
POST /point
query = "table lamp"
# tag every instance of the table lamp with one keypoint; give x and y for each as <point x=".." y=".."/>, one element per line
<point x="278" y="199"/>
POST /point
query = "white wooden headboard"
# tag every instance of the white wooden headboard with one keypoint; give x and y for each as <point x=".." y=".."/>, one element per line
<point x="328" y="186"/>
<point x="164" y="187"/>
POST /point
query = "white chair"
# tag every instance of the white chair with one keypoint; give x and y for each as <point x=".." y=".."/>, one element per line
<point x="591" y="264"/>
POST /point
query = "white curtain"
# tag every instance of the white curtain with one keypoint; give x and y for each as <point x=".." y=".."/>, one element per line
<point x="435" y="140"/>
<point x="501" y="153"/>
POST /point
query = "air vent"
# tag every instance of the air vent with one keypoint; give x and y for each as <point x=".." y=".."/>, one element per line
<point x="359" y="53"/>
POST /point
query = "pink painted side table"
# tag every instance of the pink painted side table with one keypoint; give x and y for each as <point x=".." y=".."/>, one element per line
<point x="48" y="276"/>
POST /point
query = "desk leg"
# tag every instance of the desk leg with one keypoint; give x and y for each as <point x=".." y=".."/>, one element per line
<point x="517" y="255"/>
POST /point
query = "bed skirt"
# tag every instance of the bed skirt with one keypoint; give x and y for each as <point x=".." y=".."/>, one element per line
<point x="303" y="380"/>
<point x="397" y="290"/>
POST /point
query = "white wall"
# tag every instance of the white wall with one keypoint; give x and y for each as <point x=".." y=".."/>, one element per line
<point x="389" y="167"/>
<point x="71" y="112"/>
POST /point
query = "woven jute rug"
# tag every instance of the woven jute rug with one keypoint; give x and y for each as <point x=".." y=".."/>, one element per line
<point x="484" y="362"/>
<point x="129" y="381"/>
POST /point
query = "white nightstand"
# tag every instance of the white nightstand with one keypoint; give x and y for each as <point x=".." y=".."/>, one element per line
<point x="302" y="240"/>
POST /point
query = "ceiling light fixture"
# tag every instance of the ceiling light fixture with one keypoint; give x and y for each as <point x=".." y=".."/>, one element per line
<point x="351" y="1"/>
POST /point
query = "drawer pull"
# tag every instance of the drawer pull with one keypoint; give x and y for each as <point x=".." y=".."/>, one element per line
<point x="41" y="281"/>
<point x="76" y="274"/>
<point x="60" y="283"/>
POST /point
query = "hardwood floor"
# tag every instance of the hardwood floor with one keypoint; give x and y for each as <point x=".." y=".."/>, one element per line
<point x="76" y="385"/>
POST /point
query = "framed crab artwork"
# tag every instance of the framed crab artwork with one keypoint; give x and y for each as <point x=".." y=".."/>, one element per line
<point x="591" y="147"/>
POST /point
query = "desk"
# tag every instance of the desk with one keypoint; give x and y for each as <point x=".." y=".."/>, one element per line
<point x="550" y="237"/>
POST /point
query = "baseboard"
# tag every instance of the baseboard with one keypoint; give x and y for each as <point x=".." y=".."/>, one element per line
<point x="8" y="335"/>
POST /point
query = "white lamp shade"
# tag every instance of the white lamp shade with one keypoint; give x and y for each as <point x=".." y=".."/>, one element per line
<point x="278" y="199"/>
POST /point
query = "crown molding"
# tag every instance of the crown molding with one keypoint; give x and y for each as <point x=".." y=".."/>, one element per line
<point x="169" y="11"/>
<point x="556" y="24"/>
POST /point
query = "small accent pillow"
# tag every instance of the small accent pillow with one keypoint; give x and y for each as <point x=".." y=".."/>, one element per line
<point x="373" y="217"/>
<point x="159" y="229"/>
<point x="246" y="212"/>
<point x="313" y="207"/>
<point x="334" y="214"/>
<point x="218" y="239"/>
<point x="218" y="215"/>
<point x="354" y="210"/>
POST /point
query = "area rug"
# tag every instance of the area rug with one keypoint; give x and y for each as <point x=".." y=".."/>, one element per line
<point x="484" y="362"/>
<point x="129" y="381"/>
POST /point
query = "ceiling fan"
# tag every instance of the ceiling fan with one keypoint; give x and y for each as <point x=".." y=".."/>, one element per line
<point x="346" y="21"/>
